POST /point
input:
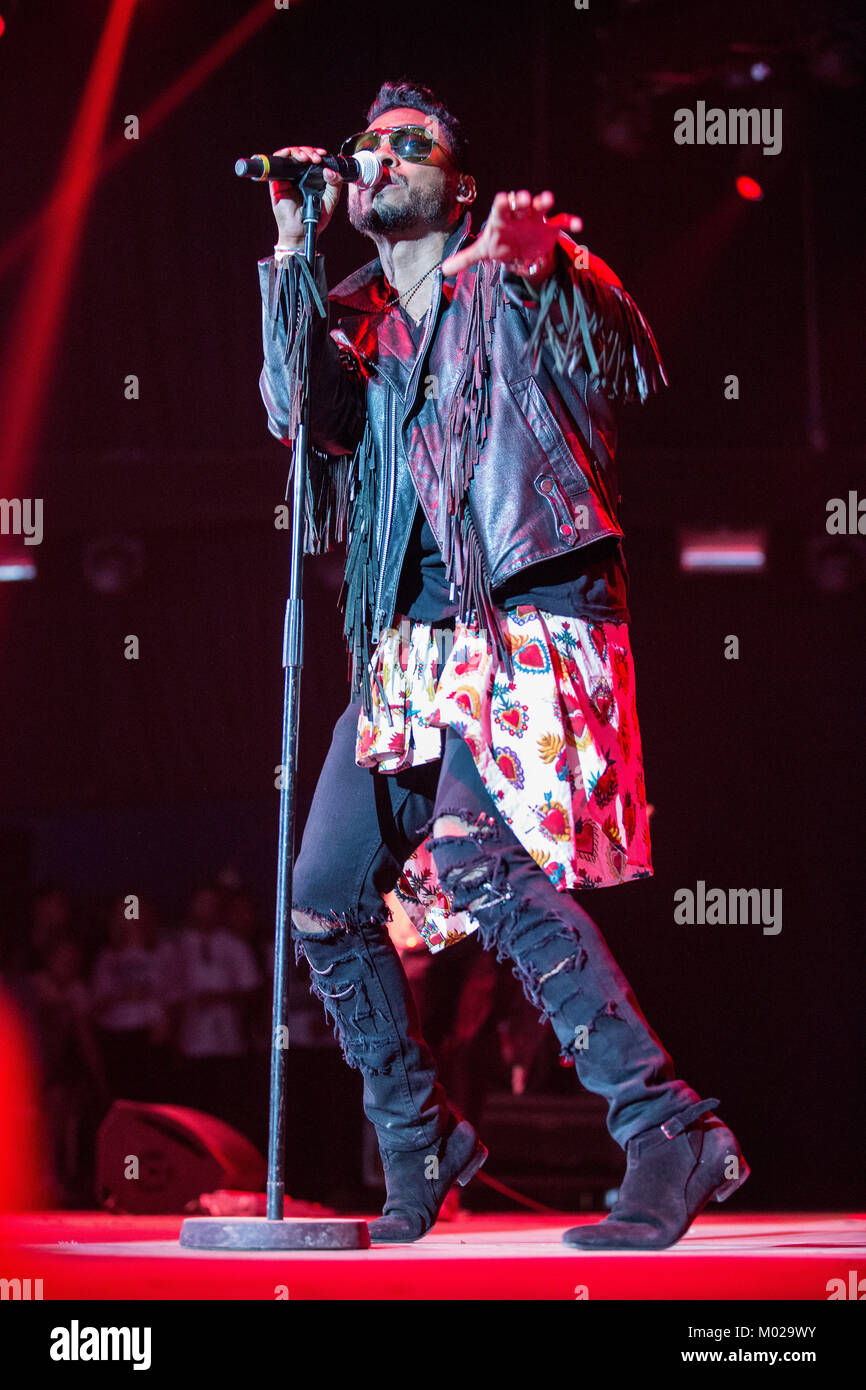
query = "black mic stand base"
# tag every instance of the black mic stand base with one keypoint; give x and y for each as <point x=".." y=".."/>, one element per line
<point x="260" y="1233"/>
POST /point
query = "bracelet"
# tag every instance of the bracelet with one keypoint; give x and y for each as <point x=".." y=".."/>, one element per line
<point x="521" y="267"/>
<point x="287" y="250"/>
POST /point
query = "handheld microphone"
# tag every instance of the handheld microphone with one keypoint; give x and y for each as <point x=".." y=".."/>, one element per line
<point x="363" y="168"/>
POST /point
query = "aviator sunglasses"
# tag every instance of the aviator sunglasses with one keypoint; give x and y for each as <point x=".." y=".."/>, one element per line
<point x="412" y="142"/>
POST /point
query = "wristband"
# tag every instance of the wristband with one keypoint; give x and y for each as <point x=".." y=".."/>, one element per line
<point x="529" y="269"/>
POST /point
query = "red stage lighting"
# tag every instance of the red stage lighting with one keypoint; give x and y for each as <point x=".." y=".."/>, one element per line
<point x="31" y="344"/>
<point x="16" y="246"/>
<point x="749" y="189"/>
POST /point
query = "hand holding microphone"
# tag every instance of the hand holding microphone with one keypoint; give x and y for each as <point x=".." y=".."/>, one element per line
<point x="287" y="199"/>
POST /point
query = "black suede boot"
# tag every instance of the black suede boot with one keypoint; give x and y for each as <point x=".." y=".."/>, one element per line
<point x="418" y="1182"/>
<point x="673" y="1170"/>
<point x="425" y="1149"/>
<point x="358" y="975"/>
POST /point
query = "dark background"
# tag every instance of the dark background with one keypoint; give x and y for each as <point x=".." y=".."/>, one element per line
<point x="119" y="776"/>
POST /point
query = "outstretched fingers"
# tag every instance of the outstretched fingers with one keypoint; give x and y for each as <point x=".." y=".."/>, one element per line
<point x="508" y="209"/>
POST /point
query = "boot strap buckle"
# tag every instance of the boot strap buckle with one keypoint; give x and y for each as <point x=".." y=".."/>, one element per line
<point x="677" y="1124"/>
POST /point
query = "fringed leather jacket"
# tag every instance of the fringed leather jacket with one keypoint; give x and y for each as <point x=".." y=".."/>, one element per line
<point x="502" y="426"/>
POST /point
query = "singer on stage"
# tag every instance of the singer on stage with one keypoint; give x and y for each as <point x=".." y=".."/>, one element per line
<point x="464" y="396"/>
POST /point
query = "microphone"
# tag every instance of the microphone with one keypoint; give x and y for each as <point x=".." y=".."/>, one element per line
<point x="363" y="168"/>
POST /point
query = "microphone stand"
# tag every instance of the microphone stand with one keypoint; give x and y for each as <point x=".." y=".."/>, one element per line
<point x="274" y="1232"/>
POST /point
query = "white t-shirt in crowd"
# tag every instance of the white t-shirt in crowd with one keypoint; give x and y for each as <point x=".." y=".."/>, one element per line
<point x="120" y="970"/>
<point x="211" y="961"/>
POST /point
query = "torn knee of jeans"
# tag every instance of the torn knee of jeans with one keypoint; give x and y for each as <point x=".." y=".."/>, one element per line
<point x="471" y="885"/>
<point x="366" y="1037"/>
<point x="543" y="947"/>
<point x="567" y="964"/>
<point x="544" y="988"/>
<point x="546" y="959"/>
<point x="550" y="938"/>
<point x="327" y="949"/>
<point x="365" y="1033"/>
<point x="580" y="1037"/>
<point x="459" y="825"/>
<point x="322" y="926"/>
<point x="332" y="977"/>
<point x="328" y="926"/>
<point x="608" y="1010"/>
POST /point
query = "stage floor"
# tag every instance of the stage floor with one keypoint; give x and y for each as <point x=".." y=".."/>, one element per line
<point x="95" y="1255"/>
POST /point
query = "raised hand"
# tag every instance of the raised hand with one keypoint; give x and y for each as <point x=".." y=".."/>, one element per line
<point x="518" y="233"/>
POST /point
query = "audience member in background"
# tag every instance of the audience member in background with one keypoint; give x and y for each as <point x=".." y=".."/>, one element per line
<point x="52" y="921"/>
<point x="214" y="979"/>
<point x="131" y="978"/>
<point x="75" y="1089"/>
<point x="240" y="916"/>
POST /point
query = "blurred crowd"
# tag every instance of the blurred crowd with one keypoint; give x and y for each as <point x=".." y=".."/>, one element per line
<point x="127" y="1006"/>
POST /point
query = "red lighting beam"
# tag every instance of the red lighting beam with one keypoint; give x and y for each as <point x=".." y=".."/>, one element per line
<point x="32" y="341"/>
<point x="17" y="245"/>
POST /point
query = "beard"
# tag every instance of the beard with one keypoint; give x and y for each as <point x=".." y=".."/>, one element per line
<point x="423" y="207"/>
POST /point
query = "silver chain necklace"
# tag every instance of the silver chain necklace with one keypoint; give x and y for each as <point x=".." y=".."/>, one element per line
<point x="407" y="294"/>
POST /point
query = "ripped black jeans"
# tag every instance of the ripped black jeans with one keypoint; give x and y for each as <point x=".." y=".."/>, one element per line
<point x="362" y="827"/>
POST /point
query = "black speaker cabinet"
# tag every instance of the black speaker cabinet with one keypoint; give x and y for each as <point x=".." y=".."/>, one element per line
<point x="153" y="1159"/>
<point x="553" y="1148"/>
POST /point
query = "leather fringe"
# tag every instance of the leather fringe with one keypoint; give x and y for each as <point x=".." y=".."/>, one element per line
<point x="587" y="323"/>
<point x="362" y="564"/>
<point x="342" y="491"/>
<point x="466" y="427"/>
<point x="292" y="298"/>
<point x="476" y="598"/>
<point x="329" y="484"/>
<point x="464" y="437"/>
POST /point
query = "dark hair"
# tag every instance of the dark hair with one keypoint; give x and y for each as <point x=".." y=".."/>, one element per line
<point x="405" y="93"/>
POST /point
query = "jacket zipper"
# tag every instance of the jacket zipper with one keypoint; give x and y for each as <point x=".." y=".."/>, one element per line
<point x="380" y="502"/>
<point x="413" y="386"/>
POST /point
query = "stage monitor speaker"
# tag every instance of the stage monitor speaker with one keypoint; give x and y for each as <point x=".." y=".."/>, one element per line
<point x="155" y="1159"/>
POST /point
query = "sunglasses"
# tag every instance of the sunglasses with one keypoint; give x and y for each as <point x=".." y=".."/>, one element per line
<point x="412" y="142"/>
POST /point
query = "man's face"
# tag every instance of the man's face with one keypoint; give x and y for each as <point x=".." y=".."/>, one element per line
<point x="408" y="198"/>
